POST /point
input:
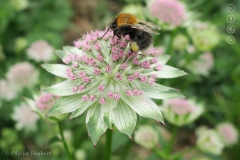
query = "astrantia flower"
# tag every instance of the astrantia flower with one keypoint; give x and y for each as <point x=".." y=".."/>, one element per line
<point x="19" y="5"/>
<point x="41" y="103"/>
<point x="45" y="101"/>
<point x="202" y="65"/>
<point x="205" y="36"/>
<point x="6" y="90"/>
<point x="181" y="111"/>
<point x="208" y="140"/>
<point x="20" y="44"/>
<point x="111" y="83"/>
<point x="180" y="42"/>
<point x="25" y="117"/>
<point x="40" y="51"/>
<point x="146" y="136"/>
<point x="21" y="75"/>
<point x="228" y="133"/>
<point x="171" y="12"/>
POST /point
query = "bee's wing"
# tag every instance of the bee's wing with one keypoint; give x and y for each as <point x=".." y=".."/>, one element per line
<point x="150" y="24"/>
<point x="145" y="28"/>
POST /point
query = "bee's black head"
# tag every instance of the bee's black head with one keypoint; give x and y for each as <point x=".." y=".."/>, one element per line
<point x="113" y="25"/>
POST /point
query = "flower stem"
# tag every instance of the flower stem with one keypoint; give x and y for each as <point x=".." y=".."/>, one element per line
<point x="108" y="144"/>
<point x="64" y="141"/>
<point x="173" y="138"/>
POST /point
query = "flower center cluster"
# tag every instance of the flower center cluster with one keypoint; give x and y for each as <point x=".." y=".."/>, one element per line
<point x="108" y="63"/>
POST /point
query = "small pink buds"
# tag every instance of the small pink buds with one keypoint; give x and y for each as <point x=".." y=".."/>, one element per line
<point x="118" y="76"/>
<point x="117" y="96"/>
<point x="110" y="94"/>
<point x="101" y="87"/>
<point x="129" y="93"/>
<point x="85" y="97"/>
<point x="108" y="69"/>
<point x="81" y="88"/>
<point x="102" y="100"/>
<point x="75" y="88"/>
<point x="92" y="97"/>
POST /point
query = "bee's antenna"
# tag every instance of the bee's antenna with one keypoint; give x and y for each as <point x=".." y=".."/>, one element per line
<point x="105" y="33"/>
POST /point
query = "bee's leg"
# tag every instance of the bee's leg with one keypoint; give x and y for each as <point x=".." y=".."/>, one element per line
<point x="118" y="35"/>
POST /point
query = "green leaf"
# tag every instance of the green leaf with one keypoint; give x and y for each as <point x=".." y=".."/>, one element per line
<point x="56" y="69"/>
<point x="83" y="107"/>
<point x="107" y="111"/>
<point x="61" y="54"/>
<point x="95" y="125"/>
<point x="124" y="118"/>
<point x="66" y="104"/>
<point x="64" y="88"/>
<point x="158" y="91"/>
<point x="144" y="106"/>
<point x="54" y="140"/>
<point x="73" y="50"/>
<point x="167" y="72"/>
<point x="163" y="59"/>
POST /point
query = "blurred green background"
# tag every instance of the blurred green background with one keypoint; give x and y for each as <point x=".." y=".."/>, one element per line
<point x="56" y="23"/>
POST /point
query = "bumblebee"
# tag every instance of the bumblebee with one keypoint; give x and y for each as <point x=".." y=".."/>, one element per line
<point x="138" y="30"/>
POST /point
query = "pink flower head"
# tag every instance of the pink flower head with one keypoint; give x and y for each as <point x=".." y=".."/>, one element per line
<point x="85" y="97"/>
<point x="92" y="97"/>
<point x="108" y="69"/>
<point x="121" y="53"/>
<point x="97" y="71"/>
<point x="91" y="62"/>
<point x="151" y="81"/>
<point x="110" y="94"/>
<point x="99" y="57"/>
<point x="78" y="44"/>
<point x="145" y="64"/>
<point x="118" y="76"/>
<point x="86" y="47"/>
<point x="97" y="46"/>
<point x="40" y="51"/>
<point x="130" y="78"/>
<point x="75" y="65"/>
<point x="129" y="93"/>
<point x="114" y="50"/>
<point x="81" y="74"/>
<point x="136" y="74"/>
<point x="102" y="100"/>
<point x="168" y="11"/>
<point x="115" y="57"/>
<point x="86" y="79"/>
<point x="74" y="89"/>
<point x="45" y="101"/>
<point x="143" y="78"/>
<point x="228" y="133"/>
<point x="181" y="106"/>
<point x="22" y="75"/>
<point x="116" y="96"/>
<point x="81" y="88"/>
<point x="101" y="88"/>
<point x="203" y="64"/>
<point x="123" y="66"/>
<point x="154" y="60"/>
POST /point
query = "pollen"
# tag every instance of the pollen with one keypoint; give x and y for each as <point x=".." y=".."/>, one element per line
<point x="134" y="46"/>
